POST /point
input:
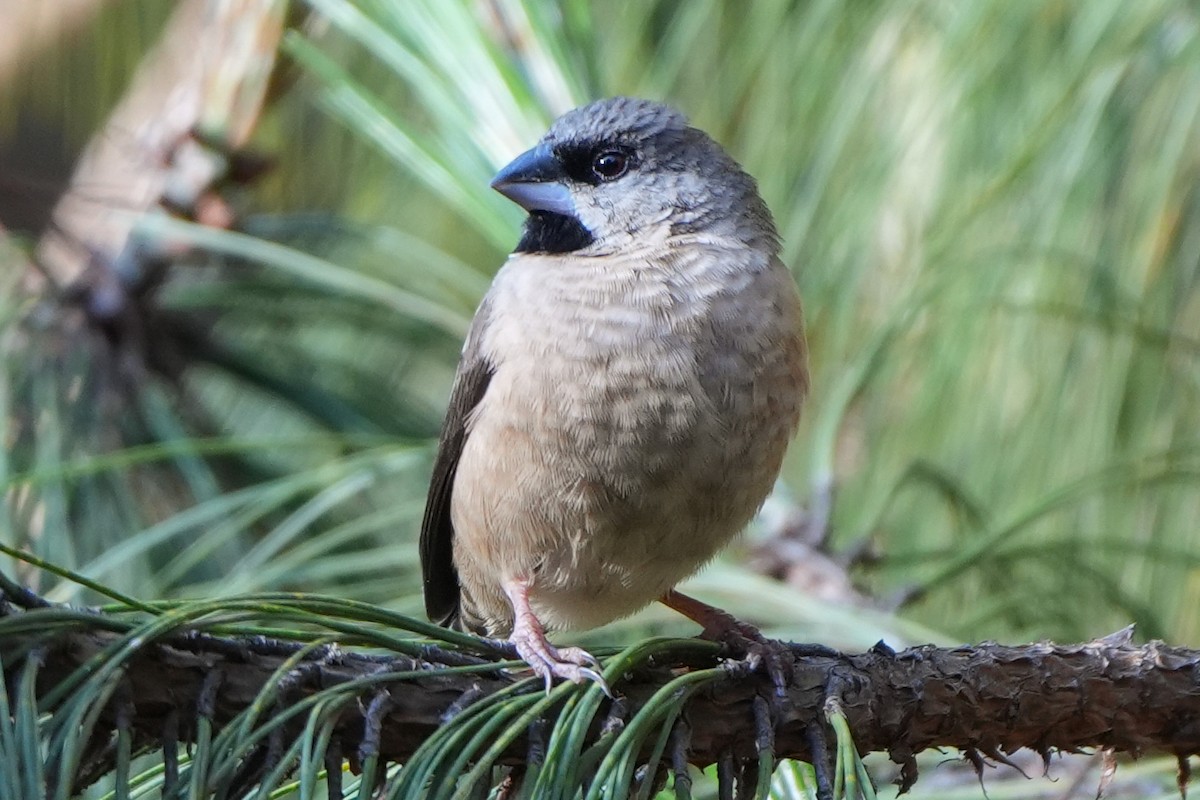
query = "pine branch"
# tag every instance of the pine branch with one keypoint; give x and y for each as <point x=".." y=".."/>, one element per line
<point x="986" y="700"/>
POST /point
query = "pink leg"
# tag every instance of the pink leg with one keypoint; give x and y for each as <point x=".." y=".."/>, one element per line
<point x="718" y="625"/>
<point x="529" y="637"/>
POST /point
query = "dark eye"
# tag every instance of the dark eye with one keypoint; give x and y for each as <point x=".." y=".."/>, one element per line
<point x="610" y="164"/>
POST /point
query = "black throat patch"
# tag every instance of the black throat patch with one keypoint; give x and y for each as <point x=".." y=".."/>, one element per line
<point x="553" y="233"/>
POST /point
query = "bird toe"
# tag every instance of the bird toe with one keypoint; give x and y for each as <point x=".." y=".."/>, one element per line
<point x="549" y="662"/>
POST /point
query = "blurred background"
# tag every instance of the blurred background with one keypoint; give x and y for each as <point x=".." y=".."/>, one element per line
<point x="241" y="241"/>
<point x="991" y="212"/>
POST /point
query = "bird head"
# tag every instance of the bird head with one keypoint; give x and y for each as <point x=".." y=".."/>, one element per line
<point x="623" y="171"/>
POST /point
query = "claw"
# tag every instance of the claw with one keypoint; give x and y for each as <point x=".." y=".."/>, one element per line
<point x="577" y="655"/>
<point x="598" y="679"/>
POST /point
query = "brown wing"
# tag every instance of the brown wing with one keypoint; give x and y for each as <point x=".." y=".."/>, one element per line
<point x="437" y="532"/>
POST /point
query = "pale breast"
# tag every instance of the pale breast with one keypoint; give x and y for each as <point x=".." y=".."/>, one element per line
<point x="636" y="420"/>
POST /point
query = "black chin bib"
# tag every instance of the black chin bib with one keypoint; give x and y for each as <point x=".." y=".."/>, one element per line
<point x="553" y="233"/>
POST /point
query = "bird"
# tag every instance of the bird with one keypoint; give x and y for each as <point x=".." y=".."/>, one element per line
<point x="626" y="392"/>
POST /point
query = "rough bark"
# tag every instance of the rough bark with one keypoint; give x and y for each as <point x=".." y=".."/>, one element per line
<point x="986" y="700"/>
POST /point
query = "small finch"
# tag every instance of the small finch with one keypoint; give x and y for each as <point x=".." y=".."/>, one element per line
<point x="627" y="388"/>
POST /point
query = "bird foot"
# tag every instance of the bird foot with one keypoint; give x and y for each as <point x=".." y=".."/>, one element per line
<point x="549" y="662"/>
<point x="745" y="643"/>
<point x="754" y="652"/>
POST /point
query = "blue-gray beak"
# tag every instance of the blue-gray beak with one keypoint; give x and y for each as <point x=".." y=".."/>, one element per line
<point x="536" y="182"/>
